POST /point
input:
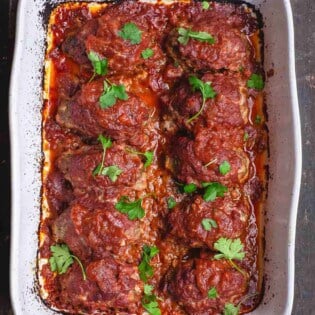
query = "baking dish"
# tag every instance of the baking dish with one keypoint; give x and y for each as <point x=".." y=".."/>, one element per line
<point x="285" y="162"/>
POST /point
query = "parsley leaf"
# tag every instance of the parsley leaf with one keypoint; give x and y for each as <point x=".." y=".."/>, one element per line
<point x="112" y="172"/>
<point x="212" y="293"/>
<point x="258" y="119"/>
<point x="205" y="5"/>
<point x="145" y="269"/>
<point x="147" y="53"/>
<point x="256" y="82"/>
<point x="224" y="167"/>
<point x="213" y="190"/>
<point x="246" y="136"/>
<point x="62" y="259"/>
<point x="106" y="144"/>
<point x="149" y="155"/>
<point x="111" y="93"/>
<point x="131" y="32"/>
<point x="171" y="202"/>
<point x="229" y="249"/>
<point x="230" y="309"/>
<point x="208" y="224"/>
<point x="132" y="208"/>
<point x="186" y="34"/>
<point x="206" y="91"/>
<point x="149" y="301"/>
<point x="189" y="188"/>
<point x="99" y="64"/>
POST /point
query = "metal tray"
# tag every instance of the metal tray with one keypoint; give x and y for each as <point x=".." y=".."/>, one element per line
<point x="285" y="155"/>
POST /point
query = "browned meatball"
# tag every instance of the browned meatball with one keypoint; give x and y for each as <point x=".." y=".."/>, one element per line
<point x="104" y="228"/>
<point x="197" y="161"/>
<point x="120" y="283"/>
<point x="193" y="280"/>
<point x="123" y="121"/>
<point x="229" y="106"/>
<point x="74" y="43"/>
<point x="78" y="168"/>
<point x="230" y="218"/>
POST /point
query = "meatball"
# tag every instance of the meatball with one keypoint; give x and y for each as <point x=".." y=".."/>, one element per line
<point x="229" y="106"/>
<point x="230" y="218"/>
<point x="104" y="228"/>
<point x="74" y="43"/>
<point x="123" y="121"/>
<point x="119" y="282"/>
<point x="64" y="231"/>
<point x="199" y="160"/>
<point x="194" y="278"/>
<point x="78" y="167"/>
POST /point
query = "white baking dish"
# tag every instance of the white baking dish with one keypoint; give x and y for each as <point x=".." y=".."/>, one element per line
<point x="285" y="156"/>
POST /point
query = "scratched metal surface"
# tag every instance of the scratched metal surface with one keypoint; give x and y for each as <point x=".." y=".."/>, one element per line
<point x="304" y="19"/>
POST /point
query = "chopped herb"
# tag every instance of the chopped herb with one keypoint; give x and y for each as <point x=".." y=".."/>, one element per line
<point x="171" y="202"/>
<point x="208" y="224"/>
<point x="186" y="34"/>
<point x="132" y="208"/>
<point x="112" y="172"/>
<point x="147" y="53"/>
<point x="246" y="136"/>
<point x="206" y="91"/>
<point x="149" y="301"/>
<point x="256" y="82"/>
<point x="258" y="119"/>
<point x="149" y="155"/>
<point x="131" y="32"/>
<point x="189" y="188"/>
<point x="62" y="259"/>
<point x="205" y="5"/>
<point x="212" y="293"/>
<point x="224" y="167"/>
<point x="106" y="144"/>
<point x="213" y="190"/>
<point x="111" y="93"/>
<point x="145" y="269"/>
<point x="99" y="64"/>
<point x="229" y="249"/>
<point x="230" y="309"/>
<point x="241" y="69"/>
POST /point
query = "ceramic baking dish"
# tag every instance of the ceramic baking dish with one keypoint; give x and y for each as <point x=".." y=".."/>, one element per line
<point x="285" y="155"/>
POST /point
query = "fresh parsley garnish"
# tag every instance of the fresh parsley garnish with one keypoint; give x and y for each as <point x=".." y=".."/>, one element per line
<point x="208" y="224"/>
<point x="258" y="119"/>
<point x="106" y="144"/>
<point x="205" y="5"/>
<point x="112" y="171"/>
<point x="186" y="34"/>
<point x="147" y="53"/>
<point x="99" y="64"/>
<point x="145" y="269"/>
<point x="131" y="32"/>
<point x="62" y="259"/>
<point x="229" y="249"/>
<point x="212" y="293"/>
<point x="149" y="301"/>
<point x="230" y="309"/>
<point x="189" y="188"/>
<point x="246" y="136"/>
<point x="149" y="155"/>
<point x="206" y="91"/>
<point x="111" y="93"/>
<point x="213" y="190"/>
<point x="224" y="167"/>
<point x="256" y="82"/>
<point x="133" y="209"/>
<point x="171" y="202"/>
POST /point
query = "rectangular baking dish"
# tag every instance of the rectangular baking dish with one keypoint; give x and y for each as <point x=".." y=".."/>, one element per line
<point x="285" y="155"/>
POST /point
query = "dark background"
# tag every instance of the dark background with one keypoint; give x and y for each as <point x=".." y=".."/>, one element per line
<point x="304" y="20"/>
